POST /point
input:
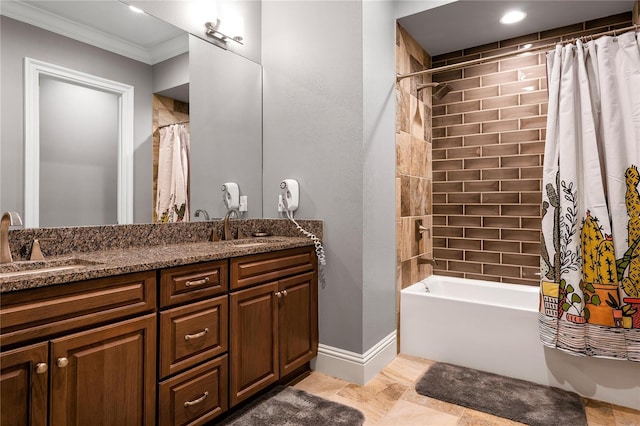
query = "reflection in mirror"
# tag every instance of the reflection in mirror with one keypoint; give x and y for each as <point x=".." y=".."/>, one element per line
<point x="68" y="119"/>
<point x="105" y="39"/>
<point x="72" y="115"/>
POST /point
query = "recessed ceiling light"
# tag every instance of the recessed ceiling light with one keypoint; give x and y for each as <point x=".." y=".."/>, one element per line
<point x="512" y="17"/>
<point x="135" y="9"/>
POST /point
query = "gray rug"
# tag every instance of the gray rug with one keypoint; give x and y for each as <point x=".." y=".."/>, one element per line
<point x="293" y="407"/>
<point x="514" y="399"/>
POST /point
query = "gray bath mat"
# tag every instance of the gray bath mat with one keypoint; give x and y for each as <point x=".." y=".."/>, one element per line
<point x="294" y="407"/>
<point x="514" y="399"/>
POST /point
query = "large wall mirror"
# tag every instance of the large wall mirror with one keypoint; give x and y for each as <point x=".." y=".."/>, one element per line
<point x="175" y="77"/>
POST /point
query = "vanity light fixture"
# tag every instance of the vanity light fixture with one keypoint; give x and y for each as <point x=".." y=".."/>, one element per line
<point x="512" y="17"/>
<point x="214" y="30"/>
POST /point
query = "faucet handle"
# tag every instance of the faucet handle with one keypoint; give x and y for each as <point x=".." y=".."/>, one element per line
<point x="36" y="252"/>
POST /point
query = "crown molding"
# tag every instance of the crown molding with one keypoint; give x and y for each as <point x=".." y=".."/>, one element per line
<point x="34" y="16"/>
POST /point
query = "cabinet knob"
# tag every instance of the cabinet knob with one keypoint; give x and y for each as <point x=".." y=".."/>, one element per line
<point x="278" y="294"/>
<point x="284" y="292"/>
<point x="41" y="367"/>
<point x="62" y="362"/>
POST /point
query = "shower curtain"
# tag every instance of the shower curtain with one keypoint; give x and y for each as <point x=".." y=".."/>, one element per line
<point x="172" y="197"/>
<point x="590" y="246"/>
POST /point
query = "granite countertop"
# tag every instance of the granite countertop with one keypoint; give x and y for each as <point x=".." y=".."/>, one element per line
<point x="98" y="264"/>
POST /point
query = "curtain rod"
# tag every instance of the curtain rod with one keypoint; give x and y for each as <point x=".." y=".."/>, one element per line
<point x="179" y="122"/>
<point x="496" y="58"/>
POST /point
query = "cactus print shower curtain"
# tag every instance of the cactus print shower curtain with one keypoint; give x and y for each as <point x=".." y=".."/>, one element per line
<point x="590" y="252"/>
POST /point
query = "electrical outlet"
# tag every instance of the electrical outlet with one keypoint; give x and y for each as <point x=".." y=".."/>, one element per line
<point x="280" y="205"/>
<point x="243" y="203"/>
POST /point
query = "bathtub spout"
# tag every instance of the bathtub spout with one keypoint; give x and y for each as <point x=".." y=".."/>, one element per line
<point x="431" y="262"/>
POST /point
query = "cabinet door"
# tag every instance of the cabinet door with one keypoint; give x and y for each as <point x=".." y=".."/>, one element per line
<point x="23" y="386"/>
<point x="253" y="333"/>
<point x="298" y="321"/>
<point x="105" y="376"/>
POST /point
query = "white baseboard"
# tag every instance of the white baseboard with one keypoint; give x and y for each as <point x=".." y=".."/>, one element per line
<point x="354" y="367"/>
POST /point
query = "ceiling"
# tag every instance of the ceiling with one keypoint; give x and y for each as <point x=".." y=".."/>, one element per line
<point x="468" y="23"/>
<point x="108" y="24"/>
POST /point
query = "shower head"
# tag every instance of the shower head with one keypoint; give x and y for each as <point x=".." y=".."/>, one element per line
<point x="440" y="90"/>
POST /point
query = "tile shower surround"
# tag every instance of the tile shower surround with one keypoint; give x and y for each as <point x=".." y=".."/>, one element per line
<point x="413" y="164"/>
<point x="487" y="147"/>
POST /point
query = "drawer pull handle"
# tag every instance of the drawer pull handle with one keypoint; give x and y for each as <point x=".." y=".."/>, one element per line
<point x="196" y="401"/>
<point x="41" y="367"/>
<point x="197" y="282"/>
<point x="195" y="336"/>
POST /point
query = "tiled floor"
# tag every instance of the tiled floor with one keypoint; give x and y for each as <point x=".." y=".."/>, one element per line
<point x="390" y="399"/>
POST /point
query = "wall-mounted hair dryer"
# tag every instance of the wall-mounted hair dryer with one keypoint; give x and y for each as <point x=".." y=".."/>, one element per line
<point x="231" y="195"/>
<point x="290" y="194"/>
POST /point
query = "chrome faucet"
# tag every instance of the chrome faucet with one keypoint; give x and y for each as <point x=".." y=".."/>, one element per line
<point x="228" y="235"/>
<point x="204" y="213"/>
<point x="8" y="219"/>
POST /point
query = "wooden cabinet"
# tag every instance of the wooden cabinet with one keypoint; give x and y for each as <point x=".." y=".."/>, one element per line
<point x="23" y="386"/>
<point x="253" y="330"/>
<point x="190" y="283"/>
<point x="298" y="321"/>
<point x="89" y="366"/>
<point x="193" y="333"/>
<point x="105" y="375"/>
<point x="273" y="325"/>
<point x="194" y="330"/>
<point x="195" y="396"/>
<point x="89" y="352"/>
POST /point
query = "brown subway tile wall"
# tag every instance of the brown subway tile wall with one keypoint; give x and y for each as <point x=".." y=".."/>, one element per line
<point x="488" y="147"/>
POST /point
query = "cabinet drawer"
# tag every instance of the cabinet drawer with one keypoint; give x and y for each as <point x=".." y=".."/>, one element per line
<point x="261" y="268"/>
<point x="47" y="311"/>
<point x="192" y="282"/>
<point x="194" y="397"/>
<point x="192" y="334"/>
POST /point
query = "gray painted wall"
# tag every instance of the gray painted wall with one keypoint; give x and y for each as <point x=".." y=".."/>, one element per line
<point x="171" y="77"/>
<point x="226" y="127"/>
<point x="18" y="40"/>
<point x="329" y="123"/>
<point x="379" y="169"/>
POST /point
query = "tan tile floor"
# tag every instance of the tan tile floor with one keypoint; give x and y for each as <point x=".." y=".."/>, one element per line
<point x="390" y="399"/>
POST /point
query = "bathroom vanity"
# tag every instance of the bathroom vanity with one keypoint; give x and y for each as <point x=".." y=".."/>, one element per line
<point x="169" y="334"/>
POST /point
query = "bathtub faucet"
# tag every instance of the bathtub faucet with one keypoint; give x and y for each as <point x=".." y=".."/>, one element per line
<point x="431" y="262"/>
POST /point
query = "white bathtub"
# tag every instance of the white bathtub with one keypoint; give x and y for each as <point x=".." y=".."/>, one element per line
<point x="494" y="327"/>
